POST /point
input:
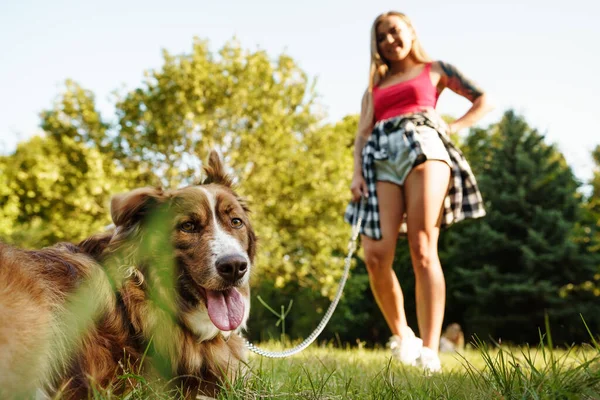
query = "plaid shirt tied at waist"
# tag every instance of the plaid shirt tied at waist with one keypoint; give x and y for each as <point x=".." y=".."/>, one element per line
<point x="463" y="199"/>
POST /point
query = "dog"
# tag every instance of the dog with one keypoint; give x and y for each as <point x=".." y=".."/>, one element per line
<point x="453" y="339"/>
<point x="133" y="317"/>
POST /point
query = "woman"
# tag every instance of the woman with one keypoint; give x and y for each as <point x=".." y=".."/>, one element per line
<point x="411" y="178"/>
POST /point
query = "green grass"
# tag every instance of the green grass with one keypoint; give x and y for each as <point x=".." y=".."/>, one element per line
<point x="484" y="372"/>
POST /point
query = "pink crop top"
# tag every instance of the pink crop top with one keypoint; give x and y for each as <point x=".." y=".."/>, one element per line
<point x="405" y="97"/>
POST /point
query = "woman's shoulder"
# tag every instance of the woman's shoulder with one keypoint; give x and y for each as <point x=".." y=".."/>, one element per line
<point x="438" y="66"/>
<point x="444" y="68"/>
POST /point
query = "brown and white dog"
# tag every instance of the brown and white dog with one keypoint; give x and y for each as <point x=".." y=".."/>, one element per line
<point x="75" y="317"/>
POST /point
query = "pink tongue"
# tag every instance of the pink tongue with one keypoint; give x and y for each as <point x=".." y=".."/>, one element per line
<point x="225" y="309"/>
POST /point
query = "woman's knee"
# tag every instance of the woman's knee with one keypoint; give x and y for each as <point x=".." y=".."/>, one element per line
<point x="377" y="260"/>
<point x="423" y="251"/>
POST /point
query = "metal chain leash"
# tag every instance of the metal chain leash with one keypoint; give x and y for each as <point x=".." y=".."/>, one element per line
<point x="328" y="314"/>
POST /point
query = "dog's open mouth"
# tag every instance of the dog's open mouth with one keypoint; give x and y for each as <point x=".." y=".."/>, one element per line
<point x="225" y="308"/>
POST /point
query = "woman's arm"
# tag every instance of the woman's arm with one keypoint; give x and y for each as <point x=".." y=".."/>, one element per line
<point x="456" y="81"/>
<point x="365" y="126"/>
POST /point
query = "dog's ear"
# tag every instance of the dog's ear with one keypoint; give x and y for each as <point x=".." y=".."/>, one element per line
<point x="215" y="171"/>
<point x="129" y="208"/>
<point x="95" y="245"/>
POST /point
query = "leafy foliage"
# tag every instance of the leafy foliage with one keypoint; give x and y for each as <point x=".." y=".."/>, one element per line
<point x="261" y="115"/>
<point x="588" y="236"/>
<point x="57" y="187"/>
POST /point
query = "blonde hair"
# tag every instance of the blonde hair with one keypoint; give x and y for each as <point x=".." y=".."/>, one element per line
<point x="455" y="334"/>
<point x="379" y="67"/>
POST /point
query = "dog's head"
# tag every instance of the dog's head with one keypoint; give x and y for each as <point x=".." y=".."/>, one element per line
<point x="213" y="245"/>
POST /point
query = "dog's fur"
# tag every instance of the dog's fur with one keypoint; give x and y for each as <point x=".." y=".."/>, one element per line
<point x="48" y="343"/>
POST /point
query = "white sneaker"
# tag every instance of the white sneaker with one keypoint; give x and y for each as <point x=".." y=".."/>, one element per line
<point x="429" y="361"/>
<point x="407" y="350"/>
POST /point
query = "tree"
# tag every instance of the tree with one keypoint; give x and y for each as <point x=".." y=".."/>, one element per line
<point x="9" y="201"/>
<point x="592" y="205"/>
<point x="506" y="270"/>
<point x="237" y="101"/>
<point x="592" y="222"/>
<point x="588" y="235"/>
<point x="261" y="115"/>
<point x="57" y="187"/>
<point x="595" y="182"/>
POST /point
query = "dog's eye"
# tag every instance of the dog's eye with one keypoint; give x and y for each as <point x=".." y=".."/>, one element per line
<point x="187" y="227"/>
<point x="237" y="223"/>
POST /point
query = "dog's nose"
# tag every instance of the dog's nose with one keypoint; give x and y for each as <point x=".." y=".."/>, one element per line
<point x="232" y="267"/>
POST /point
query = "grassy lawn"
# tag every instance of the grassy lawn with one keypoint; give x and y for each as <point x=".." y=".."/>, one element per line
<point x="518" y="373"/>
<point x="488" y="372"/>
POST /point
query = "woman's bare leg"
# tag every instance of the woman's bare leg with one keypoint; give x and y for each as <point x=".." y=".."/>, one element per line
<point x="425" y="189"/>
<point x="379" y="257"/>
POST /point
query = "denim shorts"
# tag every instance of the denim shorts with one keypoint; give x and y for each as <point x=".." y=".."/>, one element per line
<point x="399" y="163"/>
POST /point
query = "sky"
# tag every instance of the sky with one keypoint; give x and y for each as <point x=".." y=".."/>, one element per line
<point x="539" y="58"/>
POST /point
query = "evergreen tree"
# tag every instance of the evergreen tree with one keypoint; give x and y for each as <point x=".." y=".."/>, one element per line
<point x="505" y="272"/>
